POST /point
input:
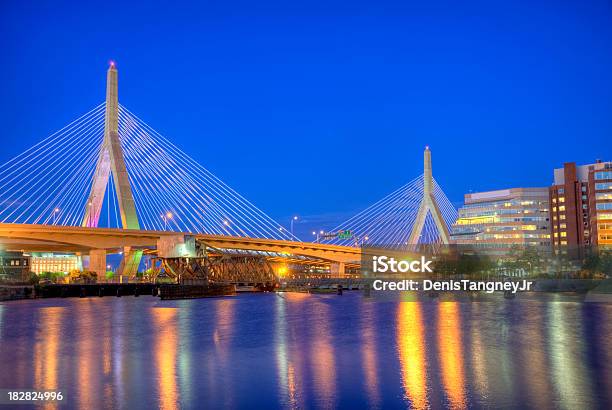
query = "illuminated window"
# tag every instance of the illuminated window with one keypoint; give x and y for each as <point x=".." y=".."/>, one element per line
<point x="600" y="186"/>
<point x="561" y="199"/>
<point x="562" y="208"/>
<point x="563" y="234"/>
<point x="562" y="226"/>
<point x="603" y="175"/>
<point x="562" y="217"/>
<point x="603" y="195"/>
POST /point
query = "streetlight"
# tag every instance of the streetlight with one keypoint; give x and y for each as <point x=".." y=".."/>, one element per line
<point x="295" y="218"/>
<point x="55" y="211"/>
<point x="166" y="218"/>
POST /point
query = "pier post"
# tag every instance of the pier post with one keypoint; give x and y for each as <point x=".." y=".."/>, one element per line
<point x="337" y="270"/>
<point x="97" y="262"/>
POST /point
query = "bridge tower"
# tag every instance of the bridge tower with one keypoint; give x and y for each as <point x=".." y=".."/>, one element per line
<point x="111" y="162"/>
<point x="428" y="204"/>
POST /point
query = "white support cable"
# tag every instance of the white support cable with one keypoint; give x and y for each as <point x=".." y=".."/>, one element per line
<point x="282" y="232"/>
<point x="61" y="184"/>
<point x="206" y="179"/>
<point x="39" y="155"/>
<point x="41" y="144"/>
<point x="79" y="178"/>
<point x="390" y="221"/>
<point x="136" y="167"/>
<point x="373" y="214"/>
<point x="158" y="178"/>
<point x="372" y="208"/>
<point x="49" y="176"/>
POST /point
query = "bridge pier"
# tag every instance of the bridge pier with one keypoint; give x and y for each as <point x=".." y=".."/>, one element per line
<point x="337" y="270"/>
<point x="176" y="246"/>
<point x="129" y="262"/>
<point x="97" y="262"/>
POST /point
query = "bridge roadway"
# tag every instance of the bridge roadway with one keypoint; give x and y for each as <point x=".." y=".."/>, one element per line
<point x="82" y="240"/>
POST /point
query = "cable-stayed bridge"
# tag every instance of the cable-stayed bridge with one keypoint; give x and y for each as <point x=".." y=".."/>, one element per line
<point x="416" y="213"/>
<point x="108" y="182"/>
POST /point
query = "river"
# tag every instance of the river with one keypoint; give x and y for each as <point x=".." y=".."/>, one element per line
<point x="297" y="350"/>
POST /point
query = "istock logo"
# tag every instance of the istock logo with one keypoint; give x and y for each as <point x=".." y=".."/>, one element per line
<point x="382" y="264"/>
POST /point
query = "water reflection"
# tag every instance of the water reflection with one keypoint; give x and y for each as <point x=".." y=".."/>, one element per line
<point x="46" y="349"/>
<point x="535" y="364"/>
<point x="285" y="367"/>
<point x="451" y="355"/>
<point x="322" y="356"/>
<point x="570" y="377"/>
<point x="369" y="358"/>
<point x="85" y="355"/>
<point x="411" y="350"/>
<point x="225" y="325"/>
<point x="308" y="351"/>
<point x="164" y="320"/>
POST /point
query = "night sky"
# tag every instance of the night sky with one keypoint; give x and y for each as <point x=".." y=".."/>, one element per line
<point x="321" y="108"/>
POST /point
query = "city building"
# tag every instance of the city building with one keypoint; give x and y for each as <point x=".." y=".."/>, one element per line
<point x="14" y="266"/>
<point x="581" y="205"/>
<point x="504" y="218"/>
<point x="53" y="262"/>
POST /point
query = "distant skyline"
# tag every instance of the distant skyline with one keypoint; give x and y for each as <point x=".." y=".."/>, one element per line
<point x="320" y="109"/>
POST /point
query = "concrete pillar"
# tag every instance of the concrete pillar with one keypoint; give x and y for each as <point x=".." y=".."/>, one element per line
<point x="337" y="270"/>
<point x="97" y="262"/>
<point x="176" y="246"/>
<point x="111" y="159"/>
<point x="130" y="262"/>
<point x="79" y="263"/>
<point x="428" y="204"/>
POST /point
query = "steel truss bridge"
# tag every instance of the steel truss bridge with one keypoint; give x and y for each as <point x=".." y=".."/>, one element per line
<point x="109" y="183"/>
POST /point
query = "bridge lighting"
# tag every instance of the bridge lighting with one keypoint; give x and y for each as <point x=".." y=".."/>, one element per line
<point x="166" y="218"/>
<point x="226" y="222"/>
<point x="295" y="218"/>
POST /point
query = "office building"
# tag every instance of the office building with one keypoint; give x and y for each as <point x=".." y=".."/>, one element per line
<point x="504" y="218"/>
<point x="581" y="205"/>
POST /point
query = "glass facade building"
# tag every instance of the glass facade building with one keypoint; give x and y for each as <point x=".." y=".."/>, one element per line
<point x="504" y="218"/>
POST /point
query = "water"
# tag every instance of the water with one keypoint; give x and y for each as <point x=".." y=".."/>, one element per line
<point x="308" y="351"/>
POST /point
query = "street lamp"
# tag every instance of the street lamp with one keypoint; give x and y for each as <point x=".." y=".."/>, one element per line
<point x="55" y="212"/>
<point x="166" y="218"/>
<point x="295" y="218"/>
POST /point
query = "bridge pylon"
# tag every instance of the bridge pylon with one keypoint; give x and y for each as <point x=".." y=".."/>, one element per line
<point x="428" y="205"/>
<point x="111" y="162"/>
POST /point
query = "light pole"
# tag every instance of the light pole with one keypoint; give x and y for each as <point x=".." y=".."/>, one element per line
<point x="295" y="218"/>
<point x="166" y="218"/>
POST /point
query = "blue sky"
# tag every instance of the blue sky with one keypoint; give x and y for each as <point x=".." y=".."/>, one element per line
<point x="321" y="108"/>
